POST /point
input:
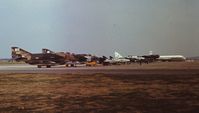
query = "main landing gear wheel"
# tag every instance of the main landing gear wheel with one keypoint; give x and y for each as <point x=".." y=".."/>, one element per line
<point x="48" y="66"/>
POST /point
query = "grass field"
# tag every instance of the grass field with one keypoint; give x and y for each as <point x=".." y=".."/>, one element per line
<point x="99" y="93"/>
<point x="7" y="62"/>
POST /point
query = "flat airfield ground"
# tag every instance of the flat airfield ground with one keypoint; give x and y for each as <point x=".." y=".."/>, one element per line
<point x="169" y="87"/>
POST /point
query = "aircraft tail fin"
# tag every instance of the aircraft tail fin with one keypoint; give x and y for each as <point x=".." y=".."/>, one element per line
<point x="19" y="54"/>
<point x="150" y="52"/>
<point x="117" y="55"/>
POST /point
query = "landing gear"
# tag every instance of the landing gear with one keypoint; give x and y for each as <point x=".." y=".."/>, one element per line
<point x="48" y="66"/>
<point x="40" y="66"/>
<point x="70" y="65"/>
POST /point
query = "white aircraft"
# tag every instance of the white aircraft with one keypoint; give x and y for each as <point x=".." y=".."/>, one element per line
<point x="118" y="59"/>
<point x="172" y="58"/>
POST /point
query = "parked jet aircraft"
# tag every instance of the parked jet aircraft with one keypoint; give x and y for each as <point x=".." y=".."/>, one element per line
<point x="171" y="58"/>
<point x="150" y="58"/>
<point x="144" y="58"/>
<point x="47" y="59"/>
<point x="74" y="59"/>
<point x="68" y="56"/>
<point x="118" y="59"/>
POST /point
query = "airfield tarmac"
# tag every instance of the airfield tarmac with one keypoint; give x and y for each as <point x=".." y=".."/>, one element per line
<point x="157" y="67"/>
<point x="169" y="87"/>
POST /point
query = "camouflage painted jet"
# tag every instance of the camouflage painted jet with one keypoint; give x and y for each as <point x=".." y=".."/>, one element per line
<point x="47" y="58"/>
<point x="71" y="59"/>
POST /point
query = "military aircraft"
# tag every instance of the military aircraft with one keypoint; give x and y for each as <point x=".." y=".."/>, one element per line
<point x="71" y="59"/>
<point x="150" y="58"/>
<point x="46" y="58"/>
<point x="155" y="57"/>
<point x="118" y="59"/>
<point x="144" y="58"/>
<point x="171" y="58"/>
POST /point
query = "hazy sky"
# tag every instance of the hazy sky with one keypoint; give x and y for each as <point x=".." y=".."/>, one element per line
<point x="101" y="26"/>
